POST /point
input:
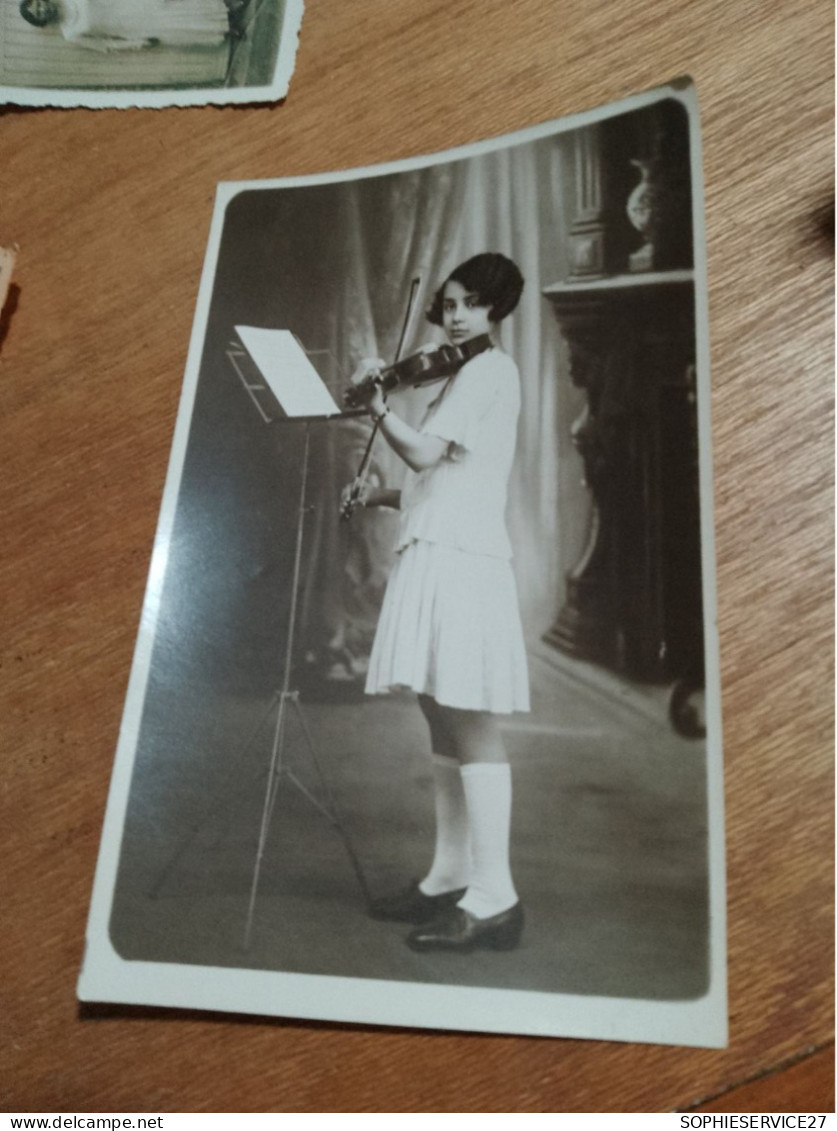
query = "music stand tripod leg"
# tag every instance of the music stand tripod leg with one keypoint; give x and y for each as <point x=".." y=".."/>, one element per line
<point x="277" y="763"/>
<point x="221" y="800"/>
<point x="270" y="793"/>
<point x="279" y="733"/>
<point x="330" y="808"/>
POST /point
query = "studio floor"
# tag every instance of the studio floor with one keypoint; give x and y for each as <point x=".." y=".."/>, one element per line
<point x="609" y="848"/>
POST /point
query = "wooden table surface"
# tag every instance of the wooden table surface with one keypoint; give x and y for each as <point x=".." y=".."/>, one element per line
<point x="110" y="210"/>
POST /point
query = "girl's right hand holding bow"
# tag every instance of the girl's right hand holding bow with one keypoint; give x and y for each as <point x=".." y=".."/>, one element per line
<point x="368" y="495"/>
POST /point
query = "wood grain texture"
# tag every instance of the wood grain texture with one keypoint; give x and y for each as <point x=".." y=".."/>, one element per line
<point x="110" y="210"/>
<point x="805" y="1084"/>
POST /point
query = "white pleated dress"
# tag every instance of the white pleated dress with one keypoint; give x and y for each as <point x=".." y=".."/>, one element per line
<point x="450" y="622"/>
<point x="125" y="25"/>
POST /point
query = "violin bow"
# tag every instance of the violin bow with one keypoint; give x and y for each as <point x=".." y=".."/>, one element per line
<point x="359" y="480"/>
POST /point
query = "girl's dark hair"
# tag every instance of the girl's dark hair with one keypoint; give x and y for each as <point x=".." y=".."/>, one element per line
<point x="493" y="278"/>
<point x="41" y="21"/>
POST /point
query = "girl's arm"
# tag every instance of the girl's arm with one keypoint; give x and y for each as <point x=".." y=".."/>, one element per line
<point x="418" y="450"/>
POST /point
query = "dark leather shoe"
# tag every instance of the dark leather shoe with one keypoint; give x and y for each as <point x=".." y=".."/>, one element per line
<point x="457" y="929"/>
<point x="412" y="905"/>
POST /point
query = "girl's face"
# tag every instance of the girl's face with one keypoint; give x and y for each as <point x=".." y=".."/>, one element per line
<point x="462" y="316"/>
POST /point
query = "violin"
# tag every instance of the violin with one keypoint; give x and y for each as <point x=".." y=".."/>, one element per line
<point x="423" y="368"/>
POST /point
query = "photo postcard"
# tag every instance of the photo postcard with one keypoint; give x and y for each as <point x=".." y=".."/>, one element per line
<point x="423" y="724"/>
<point x="149" y="53"/>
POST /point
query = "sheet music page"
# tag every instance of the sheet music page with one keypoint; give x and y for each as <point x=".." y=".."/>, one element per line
<point x="292" y="378"/>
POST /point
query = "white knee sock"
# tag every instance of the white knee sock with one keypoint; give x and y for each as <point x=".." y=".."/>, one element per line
<point x="487" y="787"/>
<point x="451" y="861"/>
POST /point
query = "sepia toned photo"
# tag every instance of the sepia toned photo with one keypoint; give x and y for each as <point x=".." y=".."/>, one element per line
<point x="423" y="726"/>
<point x="100" y="53"/>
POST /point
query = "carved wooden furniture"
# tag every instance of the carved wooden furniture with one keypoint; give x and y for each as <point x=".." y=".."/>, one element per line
<point x="633" y="600"/>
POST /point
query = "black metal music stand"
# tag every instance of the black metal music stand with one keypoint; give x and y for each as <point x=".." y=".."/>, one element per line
<point x="286" y="699"/>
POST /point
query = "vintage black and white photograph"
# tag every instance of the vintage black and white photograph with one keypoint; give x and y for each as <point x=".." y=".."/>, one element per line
<point x="121" y="53"/>
<point x="423" y="726"/>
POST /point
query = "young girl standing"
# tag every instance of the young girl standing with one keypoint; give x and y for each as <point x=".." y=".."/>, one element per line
<point x="449" y="626"/>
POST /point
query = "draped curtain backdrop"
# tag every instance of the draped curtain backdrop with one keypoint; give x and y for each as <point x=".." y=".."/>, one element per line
<point x="423" y="223"/>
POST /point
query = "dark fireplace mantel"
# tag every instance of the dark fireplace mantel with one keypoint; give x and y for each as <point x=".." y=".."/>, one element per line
<point x="633" y="600"/>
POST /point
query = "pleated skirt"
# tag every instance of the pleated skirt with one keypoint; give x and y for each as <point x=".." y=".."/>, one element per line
<point x="450" y="628"/>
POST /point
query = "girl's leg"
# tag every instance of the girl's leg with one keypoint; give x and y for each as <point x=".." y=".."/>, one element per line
<point x="486" y="780"/>
<point x="451" y="857"/>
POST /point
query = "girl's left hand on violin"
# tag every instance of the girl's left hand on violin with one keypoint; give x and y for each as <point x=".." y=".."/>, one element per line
<point x="364" y="383"/>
